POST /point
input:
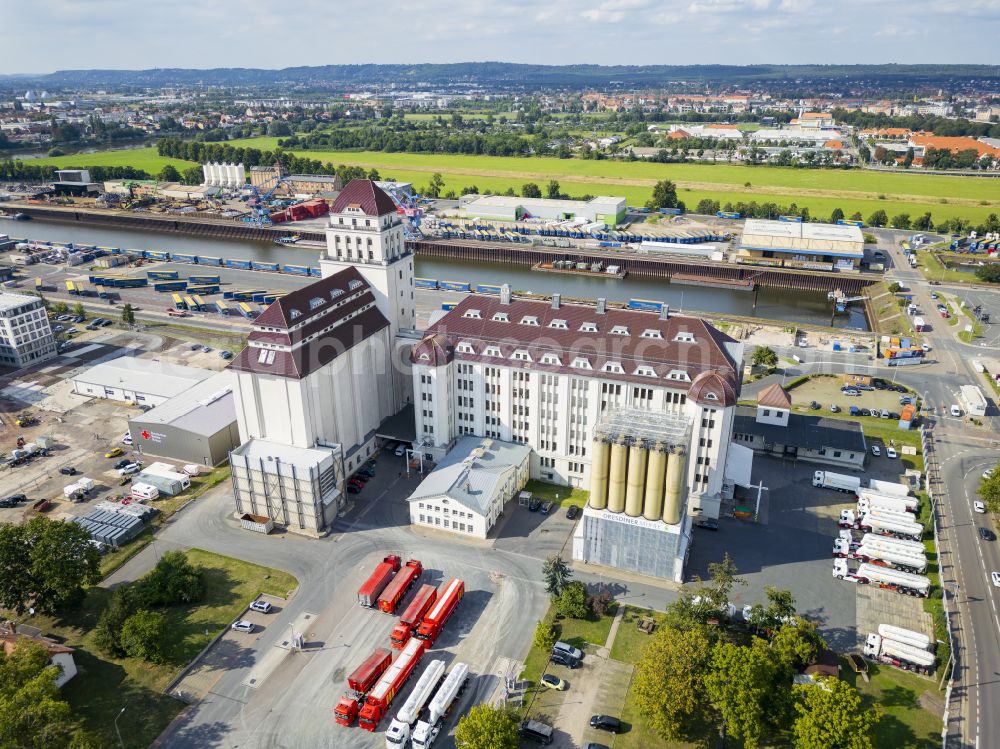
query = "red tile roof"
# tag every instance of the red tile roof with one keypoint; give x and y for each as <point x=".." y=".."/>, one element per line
<point x="664" y="355"/>
<point x="774" y="396"/>
<point x="366" y="195"/>
<point x="953" y="144"/>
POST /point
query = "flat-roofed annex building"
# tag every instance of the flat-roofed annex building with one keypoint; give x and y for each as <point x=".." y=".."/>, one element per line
<point x="804" y="244"/>
<point x="143" y="381"/>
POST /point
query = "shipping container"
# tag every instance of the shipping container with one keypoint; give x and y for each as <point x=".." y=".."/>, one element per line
<point x="170" y="286"/>
<point x="425" y="283"/>
<point x="296" y="270"/>
<point x="484" y="288"/>
<point x="192" y="304"/>
<point x="222" y="308"/>
<point x="209" y="260"/>
<point x="205" y="289"/>
<point x="178" y="302"/>
<point x="272" y="267"/>
<point x="184" y="258"/>
<point x="645" y="304"/>
<point x="455" y="286"/>
<point x="157" y="255"/>
<point x="236" y="263"/>
<point x="204" y="279"/>
<point x="247" y="311"/>
<point x="163" y="275"/>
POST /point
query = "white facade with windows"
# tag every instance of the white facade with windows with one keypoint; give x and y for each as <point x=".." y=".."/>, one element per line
<point x="543" y="376"/>
<point x="25" y="334"/>
<point x="466" y="493"/>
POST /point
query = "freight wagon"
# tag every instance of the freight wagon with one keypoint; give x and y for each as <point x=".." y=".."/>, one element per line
<point x="204" y="279"/>
<point x="163" y="275"/>
<point x="209" y="260"/>
<point x="184" y="258"/>
<point x="156" y="255"/>
<point x="295" y="270"/>
<point x="272" y="267"/>
<point x="170" y="286"/>
<point x="485" y="288"/>
<point x="645" y="304"/>
<point x="240" y="264"/>
<point x="425" y="283"/>
<point x="455" y="286"/>
<point x="204" y="288"/>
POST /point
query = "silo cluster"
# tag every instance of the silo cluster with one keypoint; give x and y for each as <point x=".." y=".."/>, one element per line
<point x="640" y="477"/>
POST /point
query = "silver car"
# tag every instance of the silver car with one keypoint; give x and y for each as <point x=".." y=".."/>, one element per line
<point x="242" y="625"/>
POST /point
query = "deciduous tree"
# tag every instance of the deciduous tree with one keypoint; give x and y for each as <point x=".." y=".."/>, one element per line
<point x="531" y="190"/>
<point x="669" y="683"/>
<point x="831" y="716"/>
<point x="764" y="356"/>
<point x="572" y="601"/>
<point x="664" y="195"/>
<point x="486" y="727"/>
<point x="173" y="580"/>
<point x="143" y="634"/>
<point x="545" y="636"/>
<point x="741" y="683"/>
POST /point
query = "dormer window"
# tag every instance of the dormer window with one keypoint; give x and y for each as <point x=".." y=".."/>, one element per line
<point x="711" y="397"/>
<point x="500" y="317"/>
<point x="619" y="330"/>
<point x="354" y="284"/>
<point x="335" y="293"/>
<point x="613" y="367"/>
<point x="530" y="320"/>
<point x="465" y="348"/>
<point x="551" y="359"/>
<point x="650" y="333"/>
<point x="644" y="371"/>
<point x="581" y="363"/>
<point x="266" y="356"/>
<point x="588" y="327"/>
<point x="492" y="351"/>
<point x="294" y="313"/>
<point x="678" y="374"/>
<point x="472" y="314"/>
<point x="316" y="301"/>
<point x="558" y="325"/>
<point x="521" y="355"/>
<point x="684" y="337"/>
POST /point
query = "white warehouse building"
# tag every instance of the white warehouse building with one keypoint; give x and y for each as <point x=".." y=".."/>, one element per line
<point x="610" y="210"/>
<point x="230" y="176"/>
<point x="134" y="380"/>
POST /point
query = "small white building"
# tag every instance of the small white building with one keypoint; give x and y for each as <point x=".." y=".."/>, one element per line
<point x="25" y="334"/>
<point x="467" y="492"/>
<point x="974" y="400"/>
<point x="142" y="381"/>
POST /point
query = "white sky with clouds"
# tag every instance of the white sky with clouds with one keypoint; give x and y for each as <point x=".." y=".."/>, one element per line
<point x="39" y="36"/>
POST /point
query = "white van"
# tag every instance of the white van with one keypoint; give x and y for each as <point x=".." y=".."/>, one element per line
<point x="144" y="491"/>
<point x="955" y="410"/>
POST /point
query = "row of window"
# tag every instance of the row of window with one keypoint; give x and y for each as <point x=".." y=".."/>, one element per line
<point x="444" y="523"/>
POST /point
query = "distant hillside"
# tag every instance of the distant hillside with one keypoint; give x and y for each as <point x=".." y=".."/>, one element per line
<point x="516" y="76"/>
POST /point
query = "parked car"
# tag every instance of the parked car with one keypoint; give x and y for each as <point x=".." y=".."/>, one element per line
<point x="13" y="500"/>
<point x="242" y="625"/>
<point x="359" y="478"/>
<point x="879" y="385"/>
<point x="226" y="354"/>
<point x="884" y="414"/>
<point x="68" y="471"/>
<point x="851" y="391"/>
<point x="567" y="649"/>
<point x="553" y="682"/>
<point x="934" y="295"/>
<point x="890" y="452"/>
<point x="606" y="723"/>
<point x="366" y="470"/>
<point x="876" y="451"/>
<point x="979" y="506"/>
<point x="572" y="512"/>
<point x="262" y="606"/>
<point x="955" y="410"/>
<point x="547" y="507"/>
<point x="996" y="579"/>
<point x="834" y="408"/>
<point x="122" y="463"/>
<point x="114" y="452"/>
<point x="815" y="406"/>
<point x="707" y="524"/>
<point x="564" y="660"/>
<point x="128" y="470"/>
<point x="400" y="450"/>
<point x="905" y="400"/>
<point x="79" y="319"/>
<point x="534" y="504"/>
<point x="353" y="489"/>
<point x="195" y="346"/>
<point x="206" y="349"/>
<point x="855" y="411"/>
<point x="987" y="473"/>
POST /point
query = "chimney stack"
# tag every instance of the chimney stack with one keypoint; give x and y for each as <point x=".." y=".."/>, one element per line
<point x="602" y="304"/>
<point x="555" y="301"/>
<point x="665" y="312"/>
<point x="505" y="294"/>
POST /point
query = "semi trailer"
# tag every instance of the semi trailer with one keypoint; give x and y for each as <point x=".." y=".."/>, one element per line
<point x="385" y="690"/>
<point x="376" y="582"/>
<point x="890" y="525"/>
<point x="398" y="733"/>
<point x="839" y="481"/>
<point x="426" y="731"/>
<point x="401" y="583"/>
<point x="878" y="508"/>
<point x="361" y="680"/>
<point x="889" y="487"/>
<point x="898" y="654"/>
<point x="917" y="564"/>
<point x="907" y="636"/>
<point x="897" y="580"/>
<point x="913" y="547"/>
<point x="894" y="501"/>
<point x="413" y="615"/>
<point x="441" y="611"/>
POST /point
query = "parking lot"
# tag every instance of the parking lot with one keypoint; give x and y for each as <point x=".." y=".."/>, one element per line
<point x="826" y="391"/>
<point x="792" y="549"/>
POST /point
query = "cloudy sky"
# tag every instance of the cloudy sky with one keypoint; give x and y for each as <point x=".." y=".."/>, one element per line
<point x="44" y="35"/>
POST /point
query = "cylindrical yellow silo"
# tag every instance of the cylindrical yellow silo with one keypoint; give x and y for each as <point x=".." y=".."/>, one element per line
<point x="616" y="478"/>
<point x="676" y="468"/>
<point x="599" y="474"/>
<point x="652" y="506"/>
<point x="636" y="480"/>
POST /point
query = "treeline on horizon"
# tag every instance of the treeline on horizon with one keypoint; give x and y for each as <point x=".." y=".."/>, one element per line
<point x="504" y="74"/>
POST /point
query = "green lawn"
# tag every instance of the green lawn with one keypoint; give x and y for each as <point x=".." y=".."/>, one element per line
<point x="103" y="684"/>
<point x="630" y="640"/>
<point x="577" y="632"/>
<point x="563" y="496"/>
<point x="641" y="736"/>
<point x="141" y="158"/>
<point x="905" y="723"/>
<point x="934" y="270"/>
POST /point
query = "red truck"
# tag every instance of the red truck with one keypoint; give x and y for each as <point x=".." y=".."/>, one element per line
<point x="359" y="683"/>
<point x="413" y="615"/>
<point x="447" y="602"/>
<point x="369" y="592"/>
<point x="382" y="694"/>
<point x="400" y="584"/>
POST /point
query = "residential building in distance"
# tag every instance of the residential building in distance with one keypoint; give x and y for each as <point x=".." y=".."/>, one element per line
<point x="25" y="334"/>
<point x="467" y="491"/>
<point x="801" y="245"/>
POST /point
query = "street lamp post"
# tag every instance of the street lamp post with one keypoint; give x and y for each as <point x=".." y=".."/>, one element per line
<point x="120" y="742"/>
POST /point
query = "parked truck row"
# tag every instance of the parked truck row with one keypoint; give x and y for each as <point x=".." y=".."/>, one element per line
<point x="899" y="654"/>
<point x="883" y="577"/>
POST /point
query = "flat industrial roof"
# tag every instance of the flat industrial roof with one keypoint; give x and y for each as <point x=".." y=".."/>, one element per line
<point x="144" y="376"/>
<point x="203" y="408"/>
<point x="306" y="458"/>
<point x="505" y="201"/>
<point x="804" y="230"/>
<point x="11" y="301"/>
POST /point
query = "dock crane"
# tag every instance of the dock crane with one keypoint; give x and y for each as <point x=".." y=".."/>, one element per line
<point x="260" y="203"/>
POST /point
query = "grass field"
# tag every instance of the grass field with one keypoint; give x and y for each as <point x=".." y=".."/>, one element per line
<point x="819" y="190"/>
<point x="140" y="158"/>
<point x="104" y="684"/>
